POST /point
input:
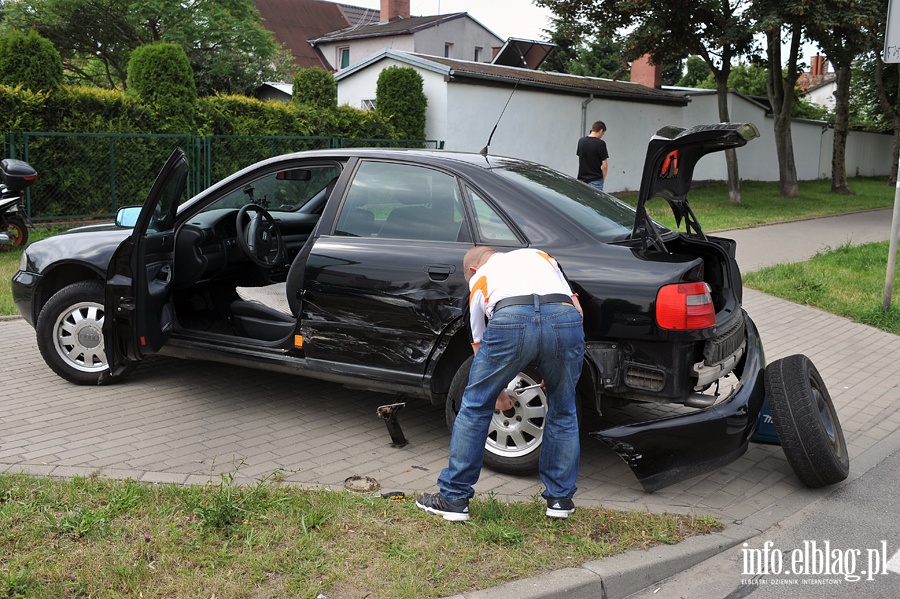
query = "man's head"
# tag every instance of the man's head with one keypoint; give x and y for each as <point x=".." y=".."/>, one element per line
<point x="598" y="129"/>
<point x="475" y="258"/>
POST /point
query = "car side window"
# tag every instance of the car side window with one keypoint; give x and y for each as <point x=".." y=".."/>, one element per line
<point x="491" y="227"/>
<point x="402" y="201"/>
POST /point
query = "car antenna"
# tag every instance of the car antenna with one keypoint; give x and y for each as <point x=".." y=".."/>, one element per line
<point x="484" y="150"/>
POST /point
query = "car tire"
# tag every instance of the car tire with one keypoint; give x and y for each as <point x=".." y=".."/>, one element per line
<point x="18" y="233"/>
<point x="514" y="439"/>
<point x="70" y="333"/>
<point x="806" y="421"/>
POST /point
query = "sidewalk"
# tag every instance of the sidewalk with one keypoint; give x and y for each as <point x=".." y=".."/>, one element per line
<point x="173" y="421"/>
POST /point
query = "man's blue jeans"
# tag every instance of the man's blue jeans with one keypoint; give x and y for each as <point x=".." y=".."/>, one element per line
<point x="598" y="183"/>
<point x="551" y="338"/>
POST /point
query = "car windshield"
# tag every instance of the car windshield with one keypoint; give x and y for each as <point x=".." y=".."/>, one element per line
<point x="606" y="217"/>
<point x="292" y="190"/>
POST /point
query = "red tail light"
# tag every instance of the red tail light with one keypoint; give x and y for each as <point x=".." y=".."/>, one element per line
<point x="685" y="307"/>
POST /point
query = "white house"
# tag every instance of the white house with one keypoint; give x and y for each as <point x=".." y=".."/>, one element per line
<point x="544" y="115"/>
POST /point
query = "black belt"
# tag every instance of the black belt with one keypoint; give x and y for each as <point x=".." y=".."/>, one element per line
<point x="529" y="300"/>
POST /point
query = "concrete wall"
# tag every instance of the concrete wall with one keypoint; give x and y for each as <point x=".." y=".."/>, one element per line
<point x="545" y="127"/>
<point x="361" y="86"/>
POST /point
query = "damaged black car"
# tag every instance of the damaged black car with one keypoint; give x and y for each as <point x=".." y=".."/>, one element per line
<point x="346" y="265"/>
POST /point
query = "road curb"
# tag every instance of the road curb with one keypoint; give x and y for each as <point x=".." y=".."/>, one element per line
<point x="621" y="575"/>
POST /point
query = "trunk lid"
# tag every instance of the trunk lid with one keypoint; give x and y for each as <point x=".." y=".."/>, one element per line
<point x="668" y="173"/>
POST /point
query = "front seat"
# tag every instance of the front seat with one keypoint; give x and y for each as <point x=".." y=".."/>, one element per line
<point x="270" y="313"/>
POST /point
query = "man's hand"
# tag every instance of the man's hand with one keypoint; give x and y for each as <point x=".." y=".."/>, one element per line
<point x="504" y="402"/>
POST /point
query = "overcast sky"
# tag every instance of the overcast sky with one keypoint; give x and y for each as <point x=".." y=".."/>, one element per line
<point x="506" y="18"/>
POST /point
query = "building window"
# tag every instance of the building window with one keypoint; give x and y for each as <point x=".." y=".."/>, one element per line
<point x="447" y="49"/>
<point x="367" y="104"/>
<point x="477" y="54"/>
<point x="343" y="57"/>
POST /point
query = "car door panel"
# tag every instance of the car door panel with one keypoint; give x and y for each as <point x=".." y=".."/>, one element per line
<point x="140" y="316"/>
<point x="381" y="303"/>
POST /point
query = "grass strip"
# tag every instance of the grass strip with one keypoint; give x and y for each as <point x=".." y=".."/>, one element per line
<point x="91" y="536"/>
<point x="847" y="281"/>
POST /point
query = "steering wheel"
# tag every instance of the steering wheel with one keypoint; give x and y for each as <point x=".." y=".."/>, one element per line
<point x="259" y="237"/>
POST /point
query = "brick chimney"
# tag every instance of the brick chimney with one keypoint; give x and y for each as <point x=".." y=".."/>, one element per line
<point x="649" y="75"/>
<point x="391" y="10"/>
<point x="818" y="65"/>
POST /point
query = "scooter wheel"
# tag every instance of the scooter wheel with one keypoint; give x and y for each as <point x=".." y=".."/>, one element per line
<point x="18" y="233"/>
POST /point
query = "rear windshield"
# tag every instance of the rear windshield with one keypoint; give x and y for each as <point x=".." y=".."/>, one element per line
<point x="606" y="217"/>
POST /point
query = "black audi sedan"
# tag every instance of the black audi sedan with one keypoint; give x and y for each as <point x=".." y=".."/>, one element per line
<point x="346" y="265"/>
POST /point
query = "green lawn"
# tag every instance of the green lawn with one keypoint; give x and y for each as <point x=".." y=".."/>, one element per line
<point x="847" y="281"/>
<point x="91" y="537"/>
<point x="761" y="203"/>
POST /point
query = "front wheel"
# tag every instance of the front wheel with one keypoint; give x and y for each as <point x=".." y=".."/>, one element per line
<point x="806" y="421"/>
<point x="70" y="333"/>
<point x="514" y="439"/>
<point x="17" y="231"/>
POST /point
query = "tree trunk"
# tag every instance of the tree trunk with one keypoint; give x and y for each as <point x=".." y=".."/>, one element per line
<point x="890" y="113"/>
<point x="787" y="168"/>
<point x="782" y="101"/>
<point x="841" y="128"/>
<point x="731" y="161"/>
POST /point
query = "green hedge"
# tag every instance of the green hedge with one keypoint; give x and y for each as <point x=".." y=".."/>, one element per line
<point x="75" y="176"/>
<point x="93" y="110"/>
<point x="29" y="60"/>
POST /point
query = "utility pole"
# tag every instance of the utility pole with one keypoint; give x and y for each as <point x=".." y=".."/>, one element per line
<point x="892" y="55"/>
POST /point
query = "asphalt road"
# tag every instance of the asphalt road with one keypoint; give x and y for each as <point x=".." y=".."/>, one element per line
<point x="846" y="544"/>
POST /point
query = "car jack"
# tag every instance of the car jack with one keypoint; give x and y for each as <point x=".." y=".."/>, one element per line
<point x="389" y="413"/>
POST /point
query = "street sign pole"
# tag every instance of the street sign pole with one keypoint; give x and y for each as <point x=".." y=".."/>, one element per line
<point x="892" y="55"/>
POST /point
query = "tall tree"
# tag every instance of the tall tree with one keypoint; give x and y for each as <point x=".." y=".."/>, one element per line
<point x="780" y="21"/>
<point x="586" y="55"/>
<point x="717" y="31"/>
<point x="845" y="30"/>
<point x="695" y="73"/>
<point x="889" y="105"/>
<point x="875" y="92"/>
<point x="228" y="48"/>
<point x="567" y="41"/>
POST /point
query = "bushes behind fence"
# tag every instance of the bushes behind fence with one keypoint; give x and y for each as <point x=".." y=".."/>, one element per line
<point x="93" y="175"/>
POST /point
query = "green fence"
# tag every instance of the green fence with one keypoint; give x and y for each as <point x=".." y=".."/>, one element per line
<point x="91" y="175"/>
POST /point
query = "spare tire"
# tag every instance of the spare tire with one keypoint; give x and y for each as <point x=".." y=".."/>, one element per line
<point x="806" y="421"/>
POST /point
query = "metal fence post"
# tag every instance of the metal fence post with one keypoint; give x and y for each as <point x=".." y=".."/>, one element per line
<point x="112" y="174"/>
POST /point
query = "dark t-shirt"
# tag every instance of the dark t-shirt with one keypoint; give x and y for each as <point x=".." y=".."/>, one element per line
<point x="591" y="154"/>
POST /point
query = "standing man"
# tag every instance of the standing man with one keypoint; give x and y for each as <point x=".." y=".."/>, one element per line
<point x="532" y="318"/>
<point x="592" y="156"/>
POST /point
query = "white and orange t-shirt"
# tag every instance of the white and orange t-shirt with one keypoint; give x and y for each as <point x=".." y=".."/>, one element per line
<point x="520" y="272"/>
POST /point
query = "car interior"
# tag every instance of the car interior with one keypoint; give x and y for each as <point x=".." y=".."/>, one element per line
<point x="240" y="262"/>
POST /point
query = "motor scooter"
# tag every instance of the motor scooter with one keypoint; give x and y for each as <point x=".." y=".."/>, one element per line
<point x="15" y="177"/>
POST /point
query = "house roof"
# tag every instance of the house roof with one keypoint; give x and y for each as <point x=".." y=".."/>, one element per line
<point x="462" y="70"/>
<point x="358" y="16"/>
<point x="387" y="28"/>
<point x="293" y="22"/>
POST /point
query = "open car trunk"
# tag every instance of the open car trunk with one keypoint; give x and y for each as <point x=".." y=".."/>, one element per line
<point x="663" y="451"/>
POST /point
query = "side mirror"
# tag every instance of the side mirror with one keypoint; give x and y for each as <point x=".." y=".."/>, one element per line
<point x="127" y="216"/>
